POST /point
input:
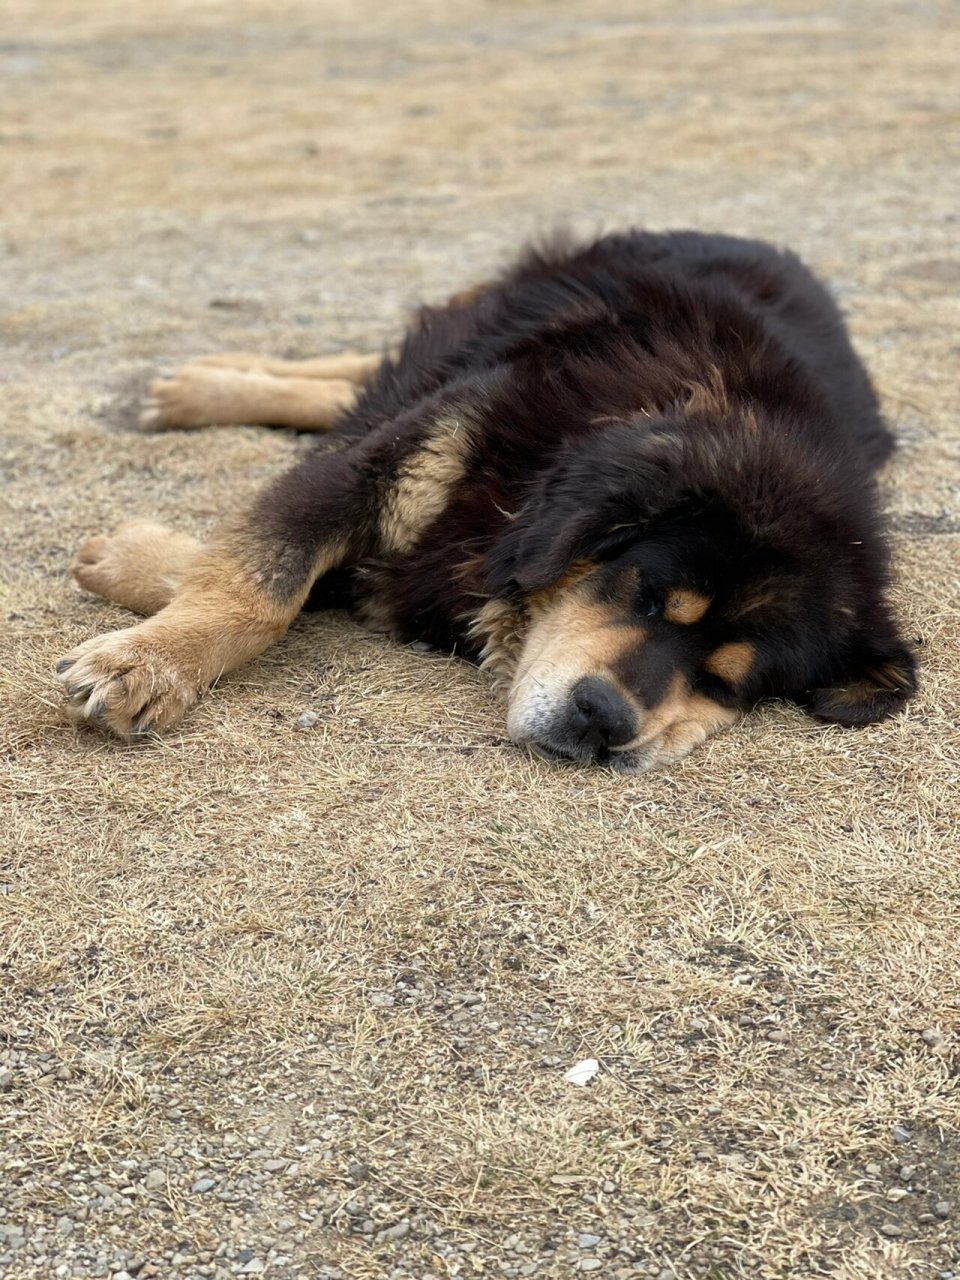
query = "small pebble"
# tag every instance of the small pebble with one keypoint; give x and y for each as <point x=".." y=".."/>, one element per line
<point x="874" y="1170"/>
<point x="942" y="1208"/>
<point x="307" y="720"/>
<point x="931" y="1036"/>
<point x="900" y="1134"/>
<point x="896" y="1193"/>
<point x="397" y="1232"/>
<point x="777" y="1036"/>
<point x="274" y="1166"/>
<point x="907" y="1171"/>
<point x="587" y="1241"/>
<point x="590" y="1264"/>
<point x="203" y="1185"/>
<point x="155" y="1179"/>
<point x="890" y="1229"/>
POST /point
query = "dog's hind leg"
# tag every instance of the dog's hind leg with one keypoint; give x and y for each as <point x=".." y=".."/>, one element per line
<point x="349" y="366"/>
<point x="140" y="565"/>
<point x="201" y="396"/>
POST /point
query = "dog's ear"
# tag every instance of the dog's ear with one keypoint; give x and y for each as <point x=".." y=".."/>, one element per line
<point x="590" y="503"/>
<point x="880" y="678"/>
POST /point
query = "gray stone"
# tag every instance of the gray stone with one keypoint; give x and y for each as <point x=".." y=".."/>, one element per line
<point x="307" y="720"/>
<point x="204" y="1184"/>
<point x="397" y="1232"/>
<point x="587" y="1241"/>
<point x="942" y="1208"/>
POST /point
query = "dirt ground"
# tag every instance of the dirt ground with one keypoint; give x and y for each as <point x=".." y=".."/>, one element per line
<point x="300" y="1004"/>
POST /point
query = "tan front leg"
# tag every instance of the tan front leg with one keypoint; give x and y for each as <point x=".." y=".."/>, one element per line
<point x="140" y="565"/>
<point x="349" y="366"/>
<point x="220" y="617"/>
<point x="235" y="596"/>
<point x="200" y="396"/>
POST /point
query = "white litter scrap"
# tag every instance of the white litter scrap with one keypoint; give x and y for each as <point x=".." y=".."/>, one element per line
<point x="582" y="1072"/>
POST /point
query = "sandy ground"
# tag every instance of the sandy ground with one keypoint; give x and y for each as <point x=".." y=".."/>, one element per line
<point x="301" y="1003"/>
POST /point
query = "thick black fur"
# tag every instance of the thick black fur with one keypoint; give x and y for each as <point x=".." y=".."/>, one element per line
<point x="686" y="404"/>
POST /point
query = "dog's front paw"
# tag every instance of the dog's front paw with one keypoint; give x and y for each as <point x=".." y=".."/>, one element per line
<point x="127" y="683"/>
<point x="136" y="566"/>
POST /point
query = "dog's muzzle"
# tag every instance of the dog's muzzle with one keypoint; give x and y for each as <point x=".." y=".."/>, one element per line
<point x="590" y="724"/>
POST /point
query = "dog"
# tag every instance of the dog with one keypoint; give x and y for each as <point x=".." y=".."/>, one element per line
<point x="633" y="479"/>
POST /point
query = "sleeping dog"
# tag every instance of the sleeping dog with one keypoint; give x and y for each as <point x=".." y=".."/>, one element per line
<point x="633" y="480"/>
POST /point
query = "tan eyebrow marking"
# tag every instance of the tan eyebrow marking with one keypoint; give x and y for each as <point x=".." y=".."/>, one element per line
<point x="731" y="662"/>
<point x="685" y="607"/>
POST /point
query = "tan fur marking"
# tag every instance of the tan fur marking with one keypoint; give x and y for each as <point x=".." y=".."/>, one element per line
<point x="575" y="572"/>
<point x="466" y="297"/>
<point x="140" y="565"/>
<point x="349" y="366"/>
<point x="680" y="738"/>
<point x="708" y="396"/>
<point x="680" y="722"/>
<point x="502" y="630"/>
<point x="204" y="396"/>
<point x="685" y="607"/>
<point x="422" y="487"/>
<point x="732" y="662"/>
<point x="588" y="631"/>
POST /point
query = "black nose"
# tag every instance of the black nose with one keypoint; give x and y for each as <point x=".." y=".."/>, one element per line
<point x="598" y="716"/>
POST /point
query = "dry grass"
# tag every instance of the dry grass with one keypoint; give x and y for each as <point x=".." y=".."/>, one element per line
<point x="383" y="941"/>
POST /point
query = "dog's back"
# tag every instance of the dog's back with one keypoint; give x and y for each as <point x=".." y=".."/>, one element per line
<point x="679" y="303"/>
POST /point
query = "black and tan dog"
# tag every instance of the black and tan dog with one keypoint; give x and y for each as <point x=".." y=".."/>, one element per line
<point x="634" y="480"/>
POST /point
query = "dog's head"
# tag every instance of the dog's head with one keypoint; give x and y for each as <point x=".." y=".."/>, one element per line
<point x="667" y="575"/>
